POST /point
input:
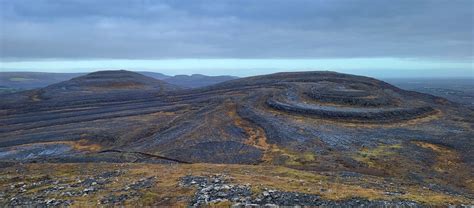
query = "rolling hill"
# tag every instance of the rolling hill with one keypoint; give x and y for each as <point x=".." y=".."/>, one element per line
<point x="395" y="142"/>
<point x="19" y="81"/>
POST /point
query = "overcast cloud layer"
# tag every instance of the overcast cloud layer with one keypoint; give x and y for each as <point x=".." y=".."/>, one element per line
<point x="148" y="29"/>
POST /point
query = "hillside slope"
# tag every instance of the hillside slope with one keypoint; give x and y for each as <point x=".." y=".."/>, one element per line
<point x="93" y="87"/>
<point x="311" y="121"/>
<point x="111" y="80"/>
<point x="18" y="81"/>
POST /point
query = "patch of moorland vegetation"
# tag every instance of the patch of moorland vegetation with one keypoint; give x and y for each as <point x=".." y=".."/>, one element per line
<point x="139" y="185"/>
<point x="373" y="156"/>
<point x="449" y="165"/>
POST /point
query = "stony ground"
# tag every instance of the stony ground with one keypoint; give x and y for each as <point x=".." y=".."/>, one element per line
<point x="217" y="189"/>
<point x="85" y="185"/>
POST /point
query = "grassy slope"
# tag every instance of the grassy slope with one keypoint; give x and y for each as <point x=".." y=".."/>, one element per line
<point x="166" y="191"/>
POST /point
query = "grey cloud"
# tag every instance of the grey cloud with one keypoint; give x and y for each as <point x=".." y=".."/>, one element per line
<point x="236" y="29"/>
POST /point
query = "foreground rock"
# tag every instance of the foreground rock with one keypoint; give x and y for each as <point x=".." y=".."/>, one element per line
<point x="48" y="192"/>
<point x="171" y="185"/>
<point x="217" y="189"/>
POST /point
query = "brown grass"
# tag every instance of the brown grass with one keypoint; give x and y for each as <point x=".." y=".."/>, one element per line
<point x="448" y="162"/>
<point x="167" y="192"/>
<point x="84" y="145"/>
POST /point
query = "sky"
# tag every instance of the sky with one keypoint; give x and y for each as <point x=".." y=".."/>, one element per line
<point x="387" y="38"/>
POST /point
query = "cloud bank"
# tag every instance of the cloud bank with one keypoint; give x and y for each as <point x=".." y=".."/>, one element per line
<point x="269" y="29"/>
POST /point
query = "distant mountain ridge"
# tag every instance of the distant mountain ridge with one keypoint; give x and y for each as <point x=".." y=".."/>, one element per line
<point x="111" y="80"/>
<point x="14" y="81"/>
<point x="197" y="80"/>
<point x="155" y="75"/>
